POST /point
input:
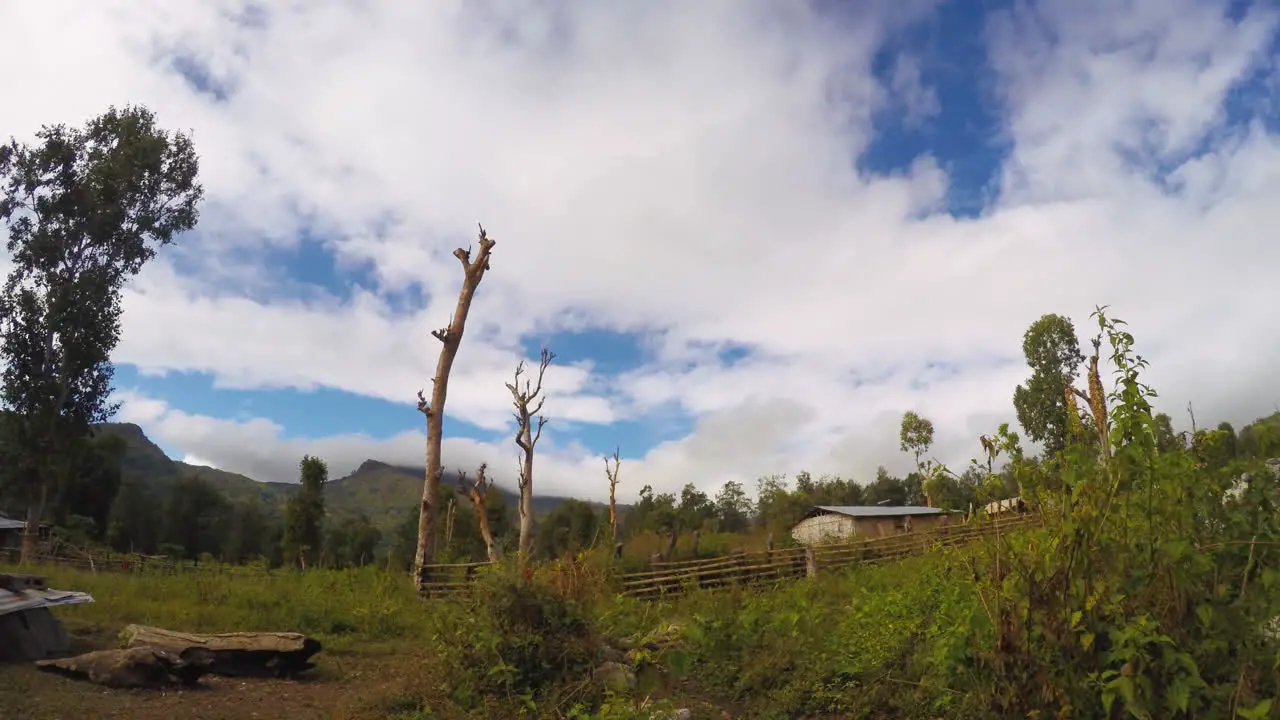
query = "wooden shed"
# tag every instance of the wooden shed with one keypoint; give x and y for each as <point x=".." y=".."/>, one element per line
<point x="826" y="523"/>
<point x="10" y="532"/>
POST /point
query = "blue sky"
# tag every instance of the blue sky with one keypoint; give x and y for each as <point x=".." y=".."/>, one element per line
<point x="755" y="233"/>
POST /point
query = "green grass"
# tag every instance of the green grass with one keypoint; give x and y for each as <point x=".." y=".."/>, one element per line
<point x="772" y="651"/>
<point x="341" y="608"/>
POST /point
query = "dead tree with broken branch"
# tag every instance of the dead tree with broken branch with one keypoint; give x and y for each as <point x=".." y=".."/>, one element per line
<point x="477" y="492"/>
<point x="1095" y="402"/>
<point x="528" y="400"/>
<point x="450" y="337"/>
<point x="611" y="472"/>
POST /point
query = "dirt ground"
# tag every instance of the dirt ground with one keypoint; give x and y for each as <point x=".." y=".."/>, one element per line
<point x="375" y="682"/>
<point x="344" y="685"/>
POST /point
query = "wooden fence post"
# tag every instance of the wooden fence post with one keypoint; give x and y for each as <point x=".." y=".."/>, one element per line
<point x="810" y="562"/>
<point x="768" y="557"/>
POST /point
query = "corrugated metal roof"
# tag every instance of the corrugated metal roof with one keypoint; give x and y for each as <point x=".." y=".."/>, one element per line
<point x="9" y="524"/>
<point x="28" y="599"/>
<point x="877" y="510"/>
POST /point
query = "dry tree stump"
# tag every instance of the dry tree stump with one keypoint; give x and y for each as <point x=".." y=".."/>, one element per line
<point x="239" y="654"/>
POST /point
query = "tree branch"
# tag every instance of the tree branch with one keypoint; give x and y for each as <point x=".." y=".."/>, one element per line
<point x="464" y="256"/>
<point x="547" y="357"/>
<point x="537" y="408"/>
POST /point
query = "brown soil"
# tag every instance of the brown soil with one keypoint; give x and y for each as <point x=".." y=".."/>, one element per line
<point x="374" y="682"/>
<point x="346" y="685"/>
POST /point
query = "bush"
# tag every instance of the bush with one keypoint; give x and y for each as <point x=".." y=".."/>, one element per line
<point x="516" y="636"/>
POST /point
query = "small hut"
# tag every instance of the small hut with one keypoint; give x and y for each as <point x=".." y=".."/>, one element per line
<point x="1008" y="506"/>
<point x="842" y="522"/>
<point x="10" y="532"/>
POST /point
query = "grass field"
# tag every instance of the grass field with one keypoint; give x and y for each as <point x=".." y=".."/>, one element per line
<point x="507" y="649"/>
<point x="370" y="622"/>
<point x="1156" y="607"/>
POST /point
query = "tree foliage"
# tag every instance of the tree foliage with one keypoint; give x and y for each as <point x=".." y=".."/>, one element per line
<point x="733" y="508"/>
<point x="916" y="437"/>
<point x="85" y="209"/>
<point x="1052" y="351"/>
<point x="194" y="517"/>
<point x="305" y="513"/>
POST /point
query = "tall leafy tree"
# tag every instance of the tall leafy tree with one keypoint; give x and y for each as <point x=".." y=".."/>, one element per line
<point x="132" y="524"/>
<point x="916" y="437"/>
<point x="304" y="514"/>
<point x="1166" y="439"/>
<point x="695" y="508"/>
<point x="655" y="513"/>
<point x="90" y="488"/>
<point x="891" y="491"/>
<point x="247" y="535"/>
<point x="195" y="517"/>
<point x="351" y="542"/>
<point x="573" y="526"/>
<point x="1053" y="353"/>
<point x="85" y="209"/>
<point x="733" y="508"/>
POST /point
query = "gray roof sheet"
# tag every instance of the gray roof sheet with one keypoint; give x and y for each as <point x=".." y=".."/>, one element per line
<point x="10" y="524"/>
<point x="28" y="599"/>
<point x="877" y="510"/>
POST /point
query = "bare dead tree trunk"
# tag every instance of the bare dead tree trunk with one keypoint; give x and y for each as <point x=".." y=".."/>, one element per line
<point x="450" y="338"/>
<point x="611" y="472"/>
<point x="528" y="402"/>
<point x="31" y="533"/>
<point x="670" y="552"/>
<point x="476" y="493"/>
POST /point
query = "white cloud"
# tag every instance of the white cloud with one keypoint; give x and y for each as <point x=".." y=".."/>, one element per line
<point x="198" y="461"/>
<point x="683" y="169"/>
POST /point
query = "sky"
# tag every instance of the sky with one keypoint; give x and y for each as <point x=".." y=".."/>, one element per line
<point x="754" y="232"/>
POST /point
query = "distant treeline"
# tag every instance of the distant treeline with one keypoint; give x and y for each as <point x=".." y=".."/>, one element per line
<point x="189" y="518"/>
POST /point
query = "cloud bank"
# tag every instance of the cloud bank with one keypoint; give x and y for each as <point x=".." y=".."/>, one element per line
<point x="695" y="175"/>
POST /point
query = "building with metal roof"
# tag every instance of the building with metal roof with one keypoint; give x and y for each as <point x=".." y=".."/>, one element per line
<point x="10" y="533"/>
<point x="827" y="523"/>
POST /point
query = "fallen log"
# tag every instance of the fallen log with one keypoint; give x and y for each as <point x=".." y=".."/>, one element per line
<point x="139" y="667"/>
<point x="239" y="654"/>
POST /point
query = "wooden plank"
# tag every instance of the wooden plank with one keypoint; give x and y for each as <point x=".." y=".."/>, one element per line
<point x="21" y="583"/>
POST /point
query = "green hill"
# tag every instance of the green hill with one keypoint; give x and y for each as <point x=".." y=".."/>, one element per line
<point x="383" y="492"/>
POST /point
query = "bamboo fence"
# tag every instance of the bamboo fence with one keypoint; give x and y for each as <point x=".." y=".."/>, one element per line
<point x="444" y="579"/>
<point x="658" y="580"/>
<point x="66" y="556"/>
<point x="750" y="568"/>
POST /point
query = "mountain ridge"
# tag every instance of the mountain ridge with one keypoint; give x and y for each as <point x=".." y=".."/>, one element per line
<point x="382" y="491"/>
